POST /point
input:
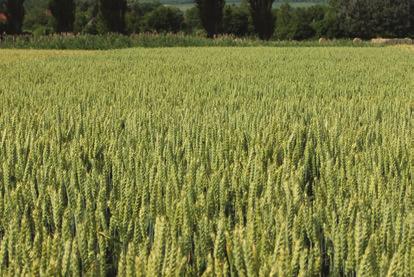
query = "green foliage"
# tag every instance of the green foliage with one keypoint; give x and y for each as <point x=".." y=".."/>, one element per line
<point x="187" y="162"/>
<point x="375" y="18"/>
<point x="330" y="26"/>
<point x="300" y="23"/>
<point x="86" y="17"/>
<point x="40" y="31"/>
<point x="285" y="25"/>
<point x="192" y="20"/>
<point x="37" y="17"/>
<point x="135" y="16"/>
<point x="164" y="19"/>
<point x="236" y="20"/>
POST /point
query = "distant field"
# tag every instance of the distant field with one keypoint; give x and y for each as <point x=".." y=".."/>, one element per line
<point x="186" y="6"/>
<point x="207" y="162"/>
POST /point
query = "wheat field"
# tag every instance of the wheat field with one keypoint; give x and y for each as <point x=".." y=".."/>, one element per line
<point x="207" y="162"/>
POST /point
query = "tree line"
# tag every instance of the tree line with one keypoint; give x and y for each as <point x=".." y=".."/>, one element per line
<point x="336" y="19"/>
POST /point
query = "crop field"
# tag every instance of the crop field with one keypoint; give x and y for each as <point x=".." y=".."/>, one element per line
<point x="207" y="161"/>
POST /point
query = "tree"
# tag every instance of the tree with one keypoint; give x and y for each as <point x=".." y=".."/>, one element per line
<point x="111" y="16"/>
<point x="36" y="19"/>
<point x="192" y="20"/>
<point x="164" y="19"/>
<point x="135" y="18"/>
<point x="236" y="20"/>
<point x="211" y="15"/>
<point x="2" y="24"/>
<point x="285" y="28"/>
<point x="372" y="18"/>
<point x="63" y="12"/>
<point x="15" y="16"/>
<point x="329" y="26"/>
<point x="85" y="17"/>
<point x="411" y="12"/>
<point x="3" y="20"/>
<point x="263" y="20"/>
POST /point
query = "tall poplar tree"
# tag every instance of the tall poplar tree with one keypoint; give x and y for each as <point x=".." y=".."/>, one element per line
<point x="111" y="16"/>
<point x="63" y="12"/>
<point x="15" y="16"/>
<point x="211" y="15"/>
<point x="263" y="20"/>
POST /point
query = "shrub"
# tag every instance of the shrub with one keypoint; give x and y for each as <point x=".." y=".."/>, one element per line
<point x="116" y="41"/>
<point x="42" y="31"/>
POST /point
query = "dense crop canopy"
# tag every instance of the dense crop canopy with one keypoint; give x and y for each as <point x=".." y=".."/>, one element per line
<point x="215" y="161"/>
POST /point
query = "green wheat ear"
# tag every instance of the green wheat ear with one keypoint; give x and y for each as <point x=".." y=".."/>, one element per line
<point x="206" y="162"/>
